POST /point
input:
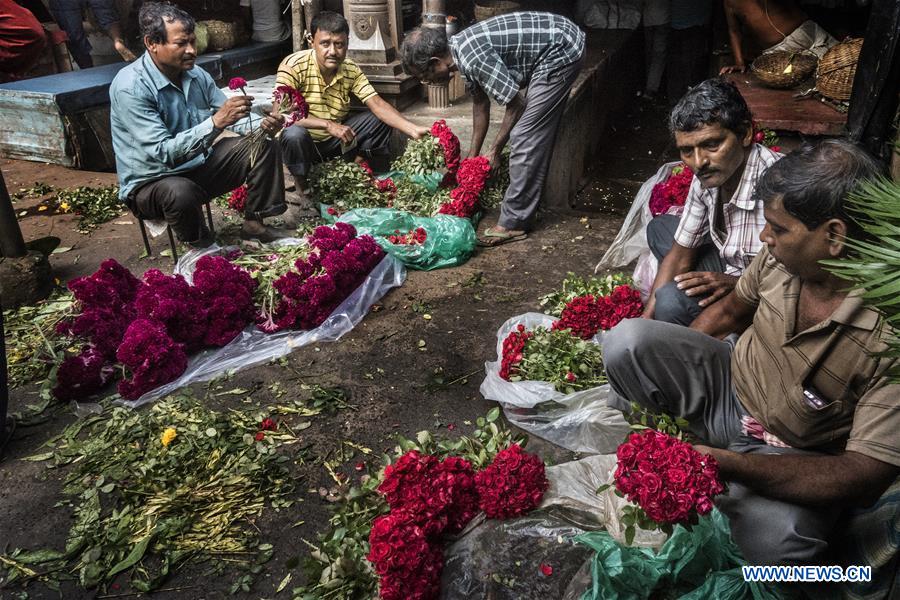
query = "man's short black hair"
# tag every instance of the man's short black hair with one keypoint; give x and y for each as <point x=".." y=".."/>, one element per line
<point x="419" y="46"/>
<point x="712" y="101"/>
<point x="330" y="22"/>
<point x="814" y="181"/>
<point x="153" y="18"/>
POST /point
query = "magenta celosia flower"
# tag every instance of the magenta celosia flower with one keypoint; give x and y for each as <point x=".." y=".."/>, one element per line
<point x="151" y="357"/>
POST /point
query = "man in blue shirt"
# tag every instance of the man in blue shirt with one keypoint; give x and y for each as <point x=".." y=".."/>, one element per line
<point x="166" y="115"/>
<point x="541" y="53"/>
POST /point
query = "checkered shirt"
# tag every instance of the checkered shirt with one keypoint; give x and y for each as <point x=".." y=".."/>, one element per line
<point x="744" y="219"/>
<point x="503" y="53"/>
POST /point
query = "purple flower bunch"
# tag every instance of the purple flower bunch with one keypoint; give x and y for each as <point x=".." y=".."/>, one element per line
<point x="226" y="293"/>
<point x="324" y="279"/>
<point x="149" y="326"/>
<point x="151" y="356"/>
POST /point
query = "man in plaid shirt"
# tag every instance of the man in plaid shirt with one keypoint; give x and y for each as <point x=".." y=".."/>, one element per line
<point x="703" y="252"/>
<point x="540" y="53"/>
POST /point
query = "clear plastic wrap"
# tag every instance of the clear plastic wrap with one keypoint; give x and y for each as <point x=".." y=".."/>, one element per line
<point x="253" y="347"/>
<point x="581" y="422"/>
<point x="631" y="241"/>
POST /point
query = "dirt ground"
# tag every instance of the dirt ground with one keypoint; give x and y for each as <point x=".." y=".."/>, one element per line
<point x="390" y="379"/>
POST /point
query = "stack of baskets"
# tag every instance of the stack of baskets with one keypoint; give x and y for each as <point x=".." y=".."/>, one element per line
<point x="834" y="77"/>
<point x="224" y="35"/>
<point x="783" y="69"/>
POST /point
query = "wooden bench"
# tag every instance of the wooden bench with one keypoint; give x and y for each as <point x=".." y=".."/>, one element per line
<point x="64" y="118"/>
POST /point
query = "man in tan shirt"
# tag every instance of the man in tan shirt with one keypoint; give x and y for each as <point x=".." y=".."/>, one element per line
<point x="801" y="412"/>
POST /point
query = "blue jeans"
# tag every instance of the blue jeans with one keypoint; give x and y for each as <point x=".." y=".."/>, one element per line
<point x="69" y="14"/>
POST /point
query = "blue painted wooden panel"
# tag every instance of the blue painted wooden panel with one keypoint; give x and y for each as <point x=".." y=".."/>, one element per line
<point x="31" y="128"/>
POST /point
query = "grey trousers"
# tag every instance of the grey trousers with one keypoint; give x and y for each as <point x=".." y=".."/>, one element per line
<point x="685" y="373"/>
<point x="531" y="145"/>
<point x="301" y="152"/>
<point x="672" y="304"/>
<point x="179" y="198"/>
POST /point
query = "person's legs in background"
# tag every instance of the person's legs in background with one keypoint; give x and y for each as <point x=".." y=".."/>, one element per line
<point x="108" y="18"/>
<point x="69" y="15"/>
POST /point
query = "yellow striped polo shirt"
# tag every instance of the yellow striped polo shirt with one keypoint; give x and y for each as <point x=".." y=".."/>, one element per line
<point x="326" y="101"/>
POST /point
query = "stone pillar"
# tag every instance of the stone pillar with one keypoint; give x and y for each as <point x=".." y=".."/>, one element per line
<point x="434" y="14"/>
<point x="375" y="35"/>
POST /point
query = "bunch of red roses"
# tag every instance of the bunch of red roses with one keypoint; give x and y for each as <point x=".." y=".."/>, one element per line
<point x="665" y="477"/>
<point x="671" y="192"/>
<point x="449" y="143"/>
<point x="472" y="176"/>
<point x="337" y="266"/>
<point x="414" y="237"/>
<point x="767" y="137"/>
<point x="513" y="351"/>
<point x="149" y="326"/>
<point x="584" y="316"/>
<point x="513" y="484"/>
<point x="429" y="498"/>
<point x="237" y="201"/>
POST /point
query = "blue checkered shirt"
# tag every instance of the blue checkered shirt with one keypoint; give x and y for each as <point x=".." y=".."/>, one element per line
<point x="502" y="54"/>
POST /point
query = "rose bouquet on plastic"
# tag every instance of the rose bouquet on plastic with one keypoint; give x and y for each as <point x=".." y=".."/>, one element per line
<point x="414" y="237"/>
<point x="430" y="498"/>
<point x="574" y="286"/>
<point x="667" y="479"/>
<point x="555" y="356"/>
<point x="584" y="316"/>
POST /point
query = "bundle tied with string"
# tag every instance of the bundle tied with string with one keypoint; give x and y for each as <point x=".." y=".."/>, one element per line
<point x="287" y="101"/>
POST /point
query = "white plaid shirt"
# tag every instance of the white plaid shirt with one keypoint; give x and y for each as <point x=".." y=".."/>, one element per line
<point x="744" y="219"/>
<point x="503" y="53"/>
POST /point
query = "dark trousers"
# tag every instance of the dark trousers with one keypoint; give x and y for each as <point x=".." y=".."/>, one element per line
<point x="672" y="304"/>
<point x="301" y="151"/>
<point x="179" y="199"/>
<point x="531" y="145"/>
<point x="688" y="62"/>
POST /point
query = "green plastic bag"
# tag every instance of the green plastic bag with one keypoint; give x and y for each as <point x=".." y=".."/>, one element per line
<point x="450" y="240"/>
<point x="698" y="563"/>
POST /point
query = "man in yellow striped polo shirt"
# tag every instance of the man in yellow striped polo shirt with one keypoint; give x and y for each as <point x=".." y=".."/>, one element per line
<point x="327" y="79"/>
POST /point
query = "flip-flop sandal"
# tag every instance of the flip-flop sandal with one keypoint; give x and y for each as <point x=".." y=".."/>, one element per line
<point x="498" y="238"/>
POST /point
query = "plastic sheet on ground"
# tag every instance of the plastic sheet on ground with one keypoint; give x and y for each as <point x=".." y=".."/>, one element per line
<point x="253" y="347"/>
<point x="697" y="563"/>
<point x="450" y="240"/>
<point x="581" y="422"/>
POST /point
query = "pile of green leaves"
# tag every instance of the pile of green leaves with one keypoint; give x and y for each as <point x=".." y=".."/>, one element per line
<point x="144" y="508"/>
<point x="421" y="157"/>
<point x="549" y="355"/>
<point x="337" y="567"/>
<point x="94" y="206"/>
<point x="36" y="191"/>
<point x="344" y="185"/>
<point x="574" y="286"/>
<point x="33" y="350"/>
<point x="873" y="263"/>
<point x="417" y="199"/>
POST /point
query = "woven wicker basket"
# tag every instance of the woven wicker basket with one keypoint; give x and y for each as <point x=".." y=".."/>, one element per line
<point x="770" y="68"/>
<point x="834" y="77"/>
<point x="224" y="35"/>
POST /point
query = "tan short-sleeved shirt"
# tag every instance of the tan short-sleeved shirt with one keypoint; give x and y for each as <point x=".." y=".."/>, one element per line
<point x="326" y="101"/>
<point x="856" y="406"/>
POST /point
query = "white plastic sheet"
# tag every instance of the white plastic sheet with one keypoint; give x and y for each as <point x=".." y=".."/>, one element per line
<point x="631" y="241"/>
<point x="253" y="347"/>
<point x="581" y="422"/>
<point x="573" y="485"/>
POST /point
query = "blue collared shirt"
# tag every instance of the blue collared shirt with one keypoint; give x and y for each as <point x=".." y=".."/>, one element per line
<point x="160" y="129"/>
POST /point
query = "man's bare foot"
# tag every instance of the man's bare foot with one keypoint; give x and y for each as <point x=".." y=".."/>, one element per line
<point x="126" y="54"/>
